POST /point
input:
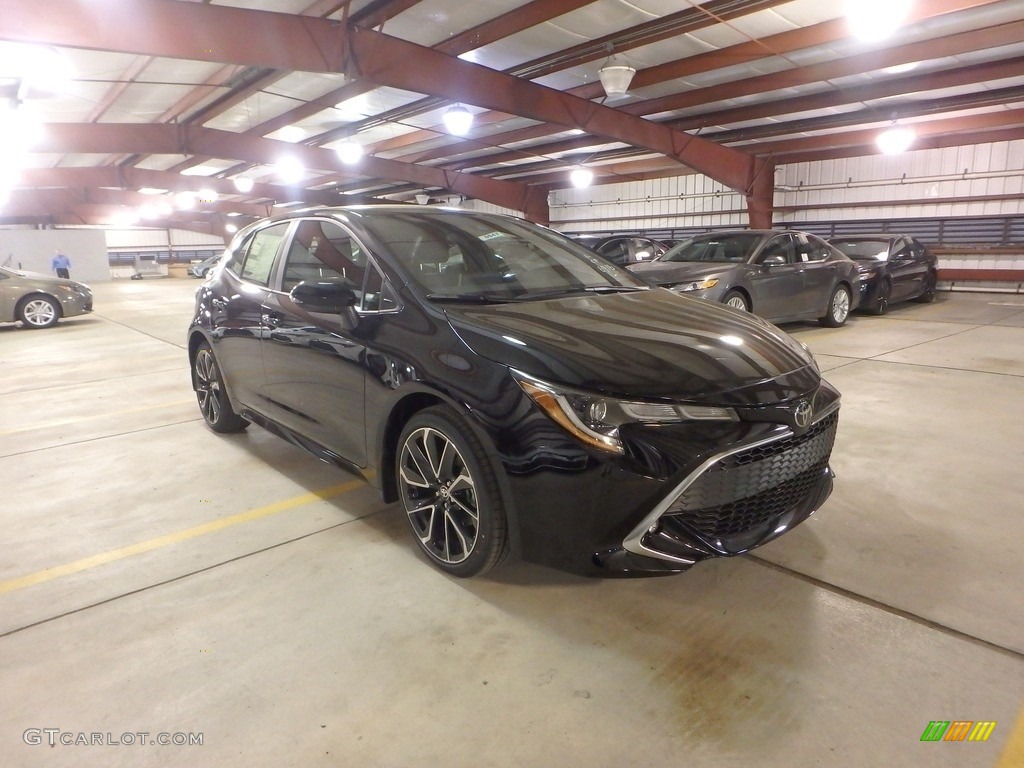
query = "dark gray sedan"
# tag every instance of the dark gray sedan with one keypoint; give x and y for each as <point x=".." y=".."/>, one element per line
<point x="782" y="276"/>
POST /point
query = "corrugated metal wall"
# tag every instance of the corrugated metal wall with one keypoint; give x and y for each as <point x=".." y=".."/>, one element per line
<point x="981" y="180"/>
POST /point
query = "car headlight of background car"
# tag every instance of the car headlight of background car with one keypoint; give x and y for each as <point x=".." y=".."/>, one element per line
<point x="697" y="285"/>
<point x="595" y="419"/>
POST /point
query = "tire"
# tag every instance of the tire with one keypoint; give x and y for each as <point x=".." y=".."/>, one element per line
<point x="736" y="300"/>
<point x="38" y="311"/>
<point x="449" y="491"/>
<point x="928" y="294"/>
<point x="882" y="302"/>
<point x="214" y="404"/>
<point x="838" y="308"/>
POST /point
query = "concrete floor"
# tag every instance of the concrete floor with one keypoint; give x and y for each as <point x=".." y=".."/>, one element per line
<point x="160" y="578"/>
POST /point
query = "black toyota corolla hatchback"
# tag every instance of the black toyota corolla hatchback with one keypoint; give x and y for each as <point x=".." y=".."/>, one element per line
<point x="512" y="390"/>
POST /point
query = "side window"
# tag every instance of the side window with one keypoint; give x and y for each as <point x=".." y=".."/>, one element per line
<point x="378" y="295"/>
<point x="814" y="250"/>
<point x="254" y="259"/>
<point x="322" y="249"/>
<point x="616" y="250"/>
<point x="780" y="246"/>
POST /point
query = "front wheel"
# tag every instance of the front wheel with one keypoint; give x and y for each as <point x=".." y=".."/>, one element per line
<point x="449" y="491"/>
<point x="838" y="308"/>
<point x="214" y="404"/>
<point x="38" y="312"/>
<point x="736" y="300"/>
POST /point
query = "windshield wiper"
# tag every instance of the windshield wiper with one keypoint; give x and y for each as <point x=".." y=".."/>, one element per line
<point x="468" y="298"/>
<point x="616" y="288"/>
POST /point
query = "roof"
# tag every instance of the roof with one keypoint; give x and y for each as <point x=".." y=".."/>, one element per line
<point x="175" y="97"/>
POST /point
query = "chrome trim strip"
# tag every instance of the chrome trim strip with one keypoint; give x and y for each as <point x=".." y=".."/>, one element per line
<point x="634" y="541"/>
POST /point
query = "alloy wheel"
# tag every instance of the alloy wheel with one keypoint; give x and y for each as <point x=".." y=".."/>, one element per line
<point x="39" y="313"/>
<point x="209" y="390"/>
<point x="840" y="306"/>
<point x="439" y="495"/>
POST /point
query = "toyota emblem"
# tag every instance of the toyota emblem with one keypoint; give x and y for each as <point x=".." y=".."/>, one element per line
<point x="802" y="414"/>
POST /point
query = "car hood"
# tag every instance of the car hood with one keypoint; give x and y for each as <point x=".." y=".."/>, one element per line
<point x="669" y="272"/>
<point x="646" y="344"/>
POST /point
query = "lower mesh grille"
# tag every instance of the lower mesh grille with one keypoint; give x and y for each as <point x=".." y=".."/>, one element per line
<point x="748" y="489"/>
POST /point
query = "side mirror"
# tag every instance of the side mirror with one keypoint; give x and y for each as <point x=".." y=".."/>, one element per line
<point x="773" y="261"/>
<point x="329" y="296"/>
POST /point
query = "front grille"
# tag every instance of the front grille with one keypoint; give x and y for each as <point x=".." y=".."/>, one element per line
<point x="747" y="489"/>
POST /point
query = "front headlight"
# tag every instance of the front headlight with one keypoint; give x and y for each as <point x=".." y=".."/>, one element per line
<point x="596" y="419"/>
<point x="698" y="285"/>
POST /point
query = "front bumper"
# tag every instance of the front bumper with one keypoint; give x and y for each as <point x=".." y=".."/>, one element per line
<point x="682" y="494"/>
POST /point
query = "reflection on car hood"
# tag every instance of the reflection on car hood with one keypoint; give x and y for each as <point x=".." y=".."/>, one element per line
<point x="650" y="344"/>
<point x="667" y="272"/>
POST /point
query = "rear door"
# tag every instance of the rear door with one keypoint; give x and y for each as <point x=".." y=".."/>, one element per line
<point x="237" y="312"/>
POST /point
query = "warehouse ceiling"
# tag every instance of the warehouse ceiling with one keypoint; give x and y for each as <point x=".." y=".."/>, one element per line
<point x="157" y="107"/>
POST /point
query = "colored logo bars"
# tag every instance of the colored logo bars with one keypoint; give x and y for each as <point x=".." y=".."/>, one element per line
<point x="958" y="730"/>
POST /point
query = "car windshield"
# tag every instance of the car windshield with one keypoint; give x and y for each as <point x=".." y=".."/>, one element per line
<point x="864" y="250"/>
<point x="458" y="256"/>
<point x="731" y="247"/>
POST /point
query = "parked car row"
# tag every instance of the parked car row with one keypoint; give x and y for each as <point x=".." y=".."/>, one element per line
<point x="785" y="276"/>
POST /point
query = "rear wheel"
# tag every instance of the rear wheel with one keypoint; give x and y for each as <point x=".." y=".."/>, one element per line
<point x="38" y="311"/>
<point x="736" y="300"/>
<point x="838" y="308"/>
<point x="214" y="404"/>
<point x="928" y="294"/>
<point x="449" y="491"/>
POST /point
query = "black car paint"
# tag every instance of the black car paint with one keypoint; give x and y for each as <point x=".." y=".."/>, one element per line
<point x="345" y="392"/>
<point x="907" y="271"/>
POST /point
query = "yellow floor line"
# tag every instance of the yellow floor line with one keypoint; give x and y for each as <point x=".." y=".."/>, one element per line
<point x="173" y="538"/>
<point x="65" y="422"/>
<point x="1013" y="755"/>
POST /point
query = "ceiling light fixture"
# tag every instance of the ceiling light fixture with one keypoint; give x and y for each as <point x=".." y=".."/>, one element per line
<point x="244" y="184"/>
<point x="616" y="76"/>
<point x="291" y="170"/>
<point x="349" y="152"/>
<point x="185" y="200"/>
<point x="207" y="195"/>
<point x="875" y="20"/>
<point x="230" y="228"/>
<point x="458" y="120"/>
<point x="581" y="177"/>
<point x="896" y="139"/>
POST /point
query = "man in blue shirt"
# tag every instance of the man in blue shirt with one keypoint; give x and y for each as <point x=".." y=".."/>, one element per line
<point x="61" y="264"/>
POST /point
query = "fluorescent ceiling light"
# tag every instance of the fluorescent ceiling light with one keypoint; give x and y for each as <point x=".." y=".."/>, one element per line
<point x="349" y="152"/>
<point x="899" y="69"/>
<point x="458" y="120"/>
<point x="290" y="170"/>
<point x="875" y="20"/>
<point x="207" y="195"/>
<point x="151" y="191"/>
<point x="895" y="140"/>
<point x="244" y="184"/>
<point x="581" y="177"/>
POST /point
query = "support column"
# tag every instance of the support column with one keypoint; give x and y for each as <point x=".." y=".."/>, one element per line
<point x="761" y="195"/>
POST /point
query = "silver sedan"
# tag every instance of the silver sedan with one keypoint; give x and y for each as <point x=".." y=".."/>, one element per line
<point x="782" y="276"/>
<point x="39" y="301"/>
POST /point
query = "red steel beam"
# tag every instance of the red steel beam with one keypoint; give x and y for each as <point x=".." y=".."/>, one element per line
<point x="130" y="138"/>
